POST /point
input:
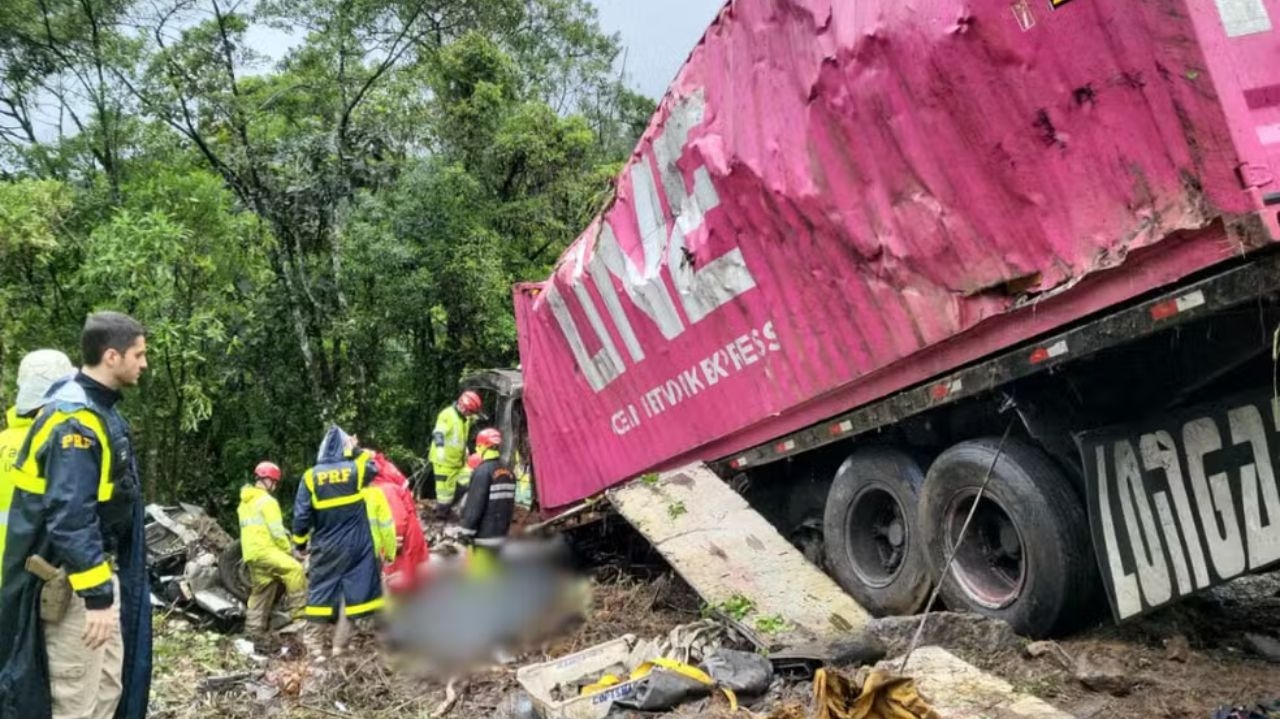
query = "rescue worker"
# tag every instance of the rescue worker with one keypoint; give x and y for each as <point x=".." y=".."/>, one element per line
<point x="491" y="501"/>
<point x="449" y="449"/>
<point x="37" y="372"/>
<point x="331" y="516"/>
<point x="77" y="504"/>
<point x="265" y="547"/>
<point x="403" y="573"/>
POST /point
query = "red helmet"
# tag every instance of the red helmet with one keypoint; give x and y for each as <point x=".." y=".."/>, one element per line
<point x="267" y="470"/>
<point x="470" y="403"/>
<point x="489" y="438"/>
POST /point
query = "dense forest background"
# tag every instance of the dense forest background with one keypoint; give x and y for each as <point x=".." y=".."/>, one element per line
<point x="329" y="237"/>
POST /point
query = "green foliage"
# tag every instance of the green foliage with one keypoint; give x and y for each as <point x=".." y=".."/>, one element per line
<point x="737" y="606"/>
<point x="31" y="214"/>
<point x="773" y="624"/>
<point x="330" y="238"/>
<point x="677" y="509"/>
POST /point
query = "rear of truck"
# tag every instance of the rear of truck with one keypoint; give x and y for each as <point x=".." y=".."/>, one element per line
<point x="838" y="202"/>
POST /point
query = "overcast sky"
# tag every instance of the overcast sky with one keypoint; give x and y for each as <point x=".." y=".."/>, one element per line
<point x="658" y="35"/>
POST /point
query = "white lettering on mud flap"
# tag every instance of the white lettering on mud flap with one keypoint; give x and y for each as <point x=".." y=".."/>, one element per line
<point x="701" y="286"/>
<point x="1184" y="502"/>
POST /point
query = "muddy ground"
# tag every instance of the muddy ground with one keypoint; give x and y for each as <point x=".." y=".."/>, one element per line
<point x="1184" y="661"/>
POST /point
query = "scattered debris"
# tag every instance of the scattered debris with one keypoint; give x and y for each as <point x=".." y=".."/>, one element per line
<point x="1036" y="650"/>
<point x="1140" y="667"/>
<point x="1101" y="673"/>
<point x="1177" y="649"/>
<point x="870" y="693"/>
<point x="805" y="659"/>
<point x="195" y="564"/>
<point x="1261" y="710"/>
<point x="1266" y="647"/>
<point x="989" y="637"/>
<point x="745" y="673"/>
<point x="210" y="685"/>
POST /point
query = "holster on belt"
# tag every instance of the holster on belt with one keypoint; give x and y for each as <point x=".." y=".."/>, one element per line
<point x="55" y="593"/>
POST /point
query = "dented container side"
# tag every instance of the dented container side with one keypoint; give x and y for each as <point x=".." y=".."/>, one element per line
<point x="838" y="199"/>
<point x="1241" y="45"/>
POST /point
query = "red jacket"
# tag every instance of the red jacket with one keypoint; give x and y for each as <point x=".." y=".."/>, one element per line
<point x="404" y="573"/>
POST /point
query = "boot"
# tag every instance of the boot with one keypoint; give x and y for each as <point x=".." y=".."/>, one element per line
<point x="294" y="604"/>
<point x="314" y="639"/>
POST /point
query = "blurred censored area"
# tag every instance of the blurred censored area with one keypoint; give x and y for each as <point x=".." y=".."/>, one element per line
<point x="474" y="608"/>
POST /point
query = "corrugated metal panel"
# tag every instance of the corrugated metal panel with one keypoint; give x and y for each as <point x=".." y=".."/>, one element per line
<point x="834" y="196"/>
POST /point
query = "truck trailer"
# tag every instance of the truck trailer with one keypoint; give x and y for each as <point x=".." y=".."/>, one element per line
<point x="888" y="265"/>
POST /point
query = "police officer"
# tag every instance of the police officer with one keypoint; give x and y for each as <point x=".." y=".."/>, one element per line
<point x="77" y="504"/>
<point x="449" y="449"/>
<point x="331" y="517"/>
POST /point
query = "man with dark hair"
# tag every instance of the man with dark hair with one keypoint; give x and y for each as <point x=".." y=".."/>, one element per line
<point x="85" y="650"/>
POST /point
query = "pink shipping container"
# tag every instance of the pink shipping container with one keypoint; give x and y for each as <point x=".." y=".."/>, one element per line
<point x="837" y="200"/>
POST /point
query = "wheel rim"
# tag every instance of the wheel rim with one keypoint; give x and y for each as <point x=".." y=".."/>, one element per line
<point x="990" y="565"/>
<point x="876" y="527"/>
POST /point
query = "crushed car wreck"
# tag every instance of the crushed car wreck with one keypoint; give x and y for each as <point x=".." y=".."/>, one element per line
<point x="195" y="566"/>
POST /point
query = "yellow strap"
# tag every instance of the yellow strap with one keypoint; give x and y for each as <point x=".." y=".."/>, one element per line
<point x="91" y="578"/>
<point x="302" y="539"/>
<point x="318" y="611"/>
<point x="356" y="610"/>
<point x="605" y="682"/>
<point x="687" y="670"/>
<point x="27" y="477"/>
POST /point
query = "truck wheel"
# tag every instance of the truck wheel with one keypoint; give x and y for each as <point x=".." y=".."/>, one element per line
<point x="233" y="572"/>
<point x="869" y="529"/>
<point x="1026" y="552"/>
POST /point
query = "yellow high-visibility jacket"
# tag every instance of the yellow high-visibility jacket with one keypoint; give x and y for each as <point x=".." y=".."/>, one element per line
<point x="262" y="530"/>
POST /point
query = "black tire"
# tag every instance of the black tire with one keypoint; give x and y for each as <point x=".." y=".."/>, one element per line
<point x="233" y="572"/>
<point x="1026" y="556"/>
<point x="869" y="527"/>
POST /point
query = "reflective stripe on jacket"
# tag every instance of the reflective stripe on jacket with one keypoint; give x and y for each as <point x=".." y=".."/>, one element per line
<point x="11" y="439"/>
<point x="261" y="525"/>
<point x="449" y="441"/>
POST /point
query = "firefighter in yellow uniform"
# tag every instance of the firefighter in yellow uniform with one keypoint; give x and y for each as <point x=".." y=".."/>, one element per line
<point x="264" y="544"/>
<point x="36" y="374"/>
<point x="449" y="449"/>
